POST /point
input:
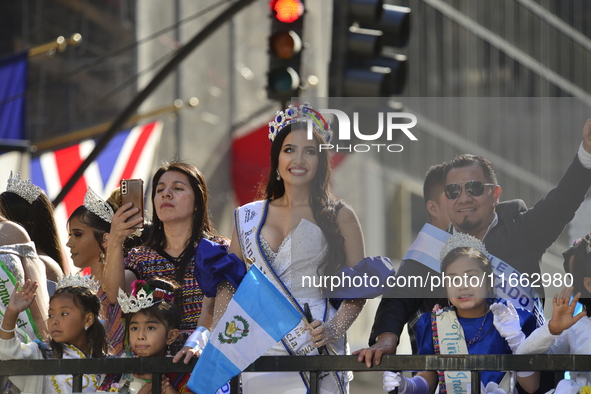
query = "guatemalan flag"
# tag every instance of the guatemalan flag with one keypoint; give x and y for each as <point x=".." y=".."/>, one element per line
<point x="130" y="154"/>
<point x="257" y="317"/>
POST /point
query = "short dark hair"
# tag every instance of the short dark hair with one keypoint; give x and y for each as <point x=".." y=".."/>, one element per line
<point x="467" y="160"/>
<point x="434" y="181"/>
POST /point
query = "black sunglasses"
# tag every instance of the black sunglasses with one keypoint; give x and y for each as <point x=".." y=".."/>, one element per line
<point x="474" y="188"/>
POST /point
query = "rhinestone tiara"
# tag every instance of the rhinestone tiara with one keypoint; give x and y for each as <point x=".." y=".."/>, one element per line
<point x="300" y="114"/>
<point x="23" y="188"/>
<point x="461" y="240"/>
<point x="98" y="206"/>
<point x="133" y="304"/>
<point x="79" y="281"/>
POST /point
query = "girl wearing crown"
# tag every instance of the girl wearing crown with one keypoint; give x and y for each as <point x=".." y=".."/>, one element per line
<point x="88" y="230"/>
<point x="467" y="326"/>
<point x="300" y="228"/>
<point x="180" y="220"/>
<point x="152" y="321"/>
<point x="75" y="332"/>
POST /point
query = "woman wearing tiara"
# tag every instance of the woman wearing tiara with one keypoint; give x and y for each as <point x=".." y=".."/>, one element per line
<point x="88" y="231"/>
<point x="300" y="228"/>
<point x="27" y="205"/>
<point x="180" y="220"/>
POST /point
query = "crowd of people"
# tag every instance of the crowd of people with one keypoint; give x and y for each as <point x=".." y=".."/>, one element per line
<point x="152" y="293"/>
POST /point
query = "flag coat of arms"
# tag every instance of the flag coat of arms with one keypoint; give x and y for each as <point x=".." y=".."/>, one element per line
<point x="257" y="317"/>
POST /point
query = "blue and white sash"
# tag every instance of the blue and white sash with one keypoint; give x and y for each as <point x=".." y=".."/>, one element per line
<point x="249" y="220"/>
<point x="425" y="250"/>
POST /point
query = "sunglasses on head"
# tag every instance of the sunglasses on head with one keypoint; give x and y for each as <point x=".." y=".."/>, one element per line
<point x="474" y="188"/>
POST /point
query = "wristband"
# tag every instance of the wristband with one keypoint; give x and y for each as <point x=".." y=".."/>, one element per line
<point x="5" y="330"/>
<point x="191" y="344"/>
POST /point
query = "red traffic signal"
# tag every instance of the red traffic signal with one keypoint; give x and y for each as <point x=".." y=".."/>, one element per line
<point x="287" y="11"/>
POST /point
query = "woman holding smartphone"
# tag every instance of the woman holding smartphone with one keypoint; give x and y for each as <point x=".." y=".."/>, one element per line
<point x="180" y="221"/>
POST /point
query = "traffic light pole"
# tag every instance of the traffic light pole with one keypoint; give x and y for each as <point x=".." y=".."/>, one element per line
<point x="340" y="28"/>
<point x="132" y="107"/>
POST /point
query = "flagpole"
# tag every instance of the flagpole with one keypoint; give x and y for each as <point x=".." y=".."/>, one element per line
<point x="182" y="53"/>
<point x="97" y="130"/>
<point x="60" y="44"/>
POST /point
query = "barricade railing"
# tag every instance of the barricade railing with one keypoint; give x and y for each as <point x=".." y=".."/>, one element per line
<point x="315" y="364"/>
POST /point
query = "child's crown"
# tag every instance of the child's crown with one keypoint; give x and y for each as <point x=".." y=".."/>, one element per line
<point x="79" y="281"/>
<point x="461" y="240"/>
<point x="142" y="297"/>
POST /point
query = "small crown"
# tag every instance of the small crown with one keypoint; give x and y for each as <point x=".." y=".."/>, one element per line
<point x="462" y="240"/>
<point x="98" y="206"/>
<point x="133" y="304"/>
<point x="23" y="188"/>
<point x="79" y="281"/>
<point x="301" y="114"/>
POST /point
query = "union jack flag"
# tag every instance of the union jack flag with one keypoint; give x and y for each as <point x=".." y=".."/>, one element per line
<point x="129" y="154"/>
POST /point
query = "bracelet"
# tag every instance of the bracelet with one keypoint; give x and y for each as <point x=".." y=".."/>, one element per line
<point x="5" y="330"/>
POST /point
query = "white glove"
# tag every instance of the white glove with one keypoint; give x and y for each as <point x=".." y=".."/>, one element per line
<point x="493" y="388"/>
<point x="199" y="338"/>
<point x="415" y="385"/>
<point x="506" y="321"/>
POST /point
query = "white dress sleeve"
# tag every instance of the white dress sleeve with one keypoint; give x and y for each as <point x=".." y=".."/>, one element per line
<point x="13" y="349"/>
<point x="539" y="341"/>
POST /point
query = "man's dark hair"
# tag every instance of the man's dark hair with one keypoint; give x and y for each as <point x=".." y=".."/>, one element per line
<point x="434" y="182"/>
<point x="467" y="160"/>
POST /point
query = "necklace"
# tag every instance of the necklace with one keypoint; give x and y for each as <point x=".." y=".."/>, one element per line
<point x="478" y="333"/>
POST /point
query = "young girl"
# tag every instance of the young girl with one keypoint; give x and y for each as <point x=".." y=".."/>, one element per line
<point x="75" y="332"/>
<point x="566" y="333"/>
<point x="466" y="327"/>
<point x="153" y="323"/>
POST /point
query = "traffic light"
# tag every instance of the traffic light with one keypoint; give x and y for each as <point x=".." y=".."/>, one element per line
<point x="360" y="67"/>
<point x="285" y="46"/>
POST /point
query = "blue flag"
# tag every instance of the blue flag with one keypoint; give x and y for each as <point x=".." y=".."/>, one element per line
<point x="13" y="83"/>
<point x="257" y="317"/>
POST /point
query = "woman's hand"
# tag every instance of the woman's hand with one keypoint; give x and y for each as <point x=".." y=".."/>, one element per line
<point x="186" y="354"/>
<point x="121" y="228"/>
<point x="321" y="333"/>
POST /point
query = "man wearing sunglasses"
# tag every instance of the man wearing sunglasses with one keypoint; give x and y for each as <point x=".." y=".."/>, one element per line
<point x="511" y="232"/>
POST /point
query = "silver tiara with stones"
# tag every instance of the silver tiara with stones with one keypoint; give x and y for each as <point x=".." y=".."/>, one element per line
<point x="461" y="240"/>
<point x="98" y="206"/>
<point x="78" y="281"/>
<point x="301" y="114"/>
<point x="133" y="304"/>
<point x="23" y="188"/>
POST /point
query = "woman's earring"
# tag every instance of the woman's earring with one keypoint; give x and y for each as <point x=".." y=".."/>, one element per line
<point x="278" y="175"/>
<point x="102" y="258"/>
<point x="85" y="328"/>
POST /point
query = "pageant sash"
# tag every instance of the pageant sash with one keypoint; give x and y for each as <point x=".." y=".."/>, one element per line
<point x="25" y="325"/>
<point x="249" y="220"/>
<point x="449" y="333"/>
<point x="425" y="250"/>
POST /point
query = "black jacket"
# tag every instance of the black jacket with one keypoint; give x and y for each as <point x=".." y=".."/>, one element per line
<point x="520" y="238"/>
